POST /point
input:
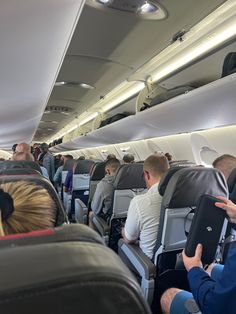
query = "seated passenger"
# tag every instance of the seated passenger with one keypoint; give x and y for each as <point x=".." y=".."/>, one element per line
<point x="168" y="156"/>
<point x="111" y="156"/>
<point x="144" y="210"/>
<point x="215" y="289"/>
<point x="102" y="199"/>
<point x="25" y="207"/>
<point x="225" y="163"/>
<point x="23" y="148"/>
<point x="58" y="175"/>
<point x="128" y="159"/>
<point x="29" y="157"/>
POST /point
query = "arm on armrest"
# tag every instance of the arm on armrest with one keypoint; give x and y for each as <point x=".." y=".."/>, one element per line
<point x="101" y="225"/>
<point x="132" y="255"/>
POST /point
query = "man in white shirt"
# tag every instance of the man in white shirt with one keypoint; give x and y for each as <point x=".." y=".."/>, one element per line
<point x="144" y="210"/>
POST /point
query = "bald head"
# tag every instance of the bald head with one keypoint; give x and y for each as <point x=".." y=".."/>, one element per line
<point x="155" y="166"/>
<point x="23" y="148"/>
<point x="225" y="163"/>
<point x="23" y="156"/>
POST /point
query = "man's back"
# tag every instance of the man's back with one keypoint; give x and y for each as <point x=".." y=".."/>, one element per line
<point x="102" y="199"/>
<point x="143" y="219"/>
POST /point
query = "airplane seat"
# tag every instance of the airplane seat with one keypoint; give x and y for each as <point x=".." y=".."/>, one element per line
<point x="81" y="210"/>
<point x="128" y="183"/>
<point x="33" y="177"/>
<point x="10" y="165"/>
<point x="80" y="183"/>
<point x="66" y="270"/>
<point x="180" y="188"/>
<point x="67" y="166"/>
<point x="230" y="232"/>
<point x="181" y="163"/>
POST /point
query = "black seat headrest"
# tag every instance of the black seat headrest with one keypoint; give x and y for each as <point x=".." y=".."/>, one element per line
<point x="19" y="164"/>
<point x="71" y="276"/>
<point x="186" y="185"/>
<point x="83" y="166"/>
<point x="166" y="178"/>
<point x="181" y="163"/>
<point x="68" y="164"/>
<point x="98" y="171"/>
<point x="232" y="180"/>
<point x="130" y="176"/>
<point x="40" y="180"/>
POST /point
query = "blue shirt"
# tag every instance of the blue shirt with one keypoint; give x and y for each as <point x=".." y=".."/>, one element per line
<point x="216" y="297"/>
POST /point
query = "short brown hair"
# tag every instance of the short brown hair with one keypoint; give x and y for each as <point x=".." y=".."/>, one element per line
<point x="113" y="164"/>
<point x="225" y="163"/>
<point x="34" y="208"/>
<point x="156" y="165"/>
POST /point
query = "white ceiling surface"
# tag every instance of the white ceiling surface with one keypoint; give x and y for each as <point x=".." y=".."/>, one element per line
<point x="108" y="46"/>
<point x="209" y="106"/>
<point x="34" y="37"/>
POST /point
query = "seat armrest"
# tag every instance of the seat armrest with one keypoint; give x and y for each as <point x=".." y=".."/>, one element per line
<point x="101" y="225"/>
<point x="133" y="257"/>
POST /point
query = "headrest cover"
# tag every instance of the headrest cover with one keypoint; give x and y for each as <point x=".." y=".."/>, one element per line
<point x="130" y="176"/>
<point x="16" y="164"/>
<point x="83" y="166"/>
<point x="98" y="171"/>
<point x="187" y="184"/>
<point x="232" y="180"/>
<point x="182" y="163"/>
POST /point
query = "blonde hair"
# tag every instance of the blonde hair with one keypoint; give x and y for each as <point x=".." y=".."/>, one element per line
<point x="23" y="156"/>
<point x="34" y="209"/>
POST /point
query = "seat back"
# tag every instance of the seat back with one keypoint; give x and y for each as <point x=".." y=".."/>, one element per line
<point x="33" y="177"/>
<point x="181" y="190"/>
<point x="81" y="175"/>
<point x="68" y="271"/>
<point x="97" y="174"/>
<point x="128" y="182"/>
<point x="18" y="164"/>
<point x="68" y="165"/>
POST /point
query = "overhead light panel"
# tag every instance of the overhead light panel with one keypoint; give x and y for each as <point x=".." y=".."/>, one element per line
<point x="74" y="84"/>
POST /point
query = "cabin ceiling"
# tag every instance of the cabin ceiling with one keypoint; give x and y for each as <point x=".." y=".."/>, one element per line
<point x="106" y="48"/>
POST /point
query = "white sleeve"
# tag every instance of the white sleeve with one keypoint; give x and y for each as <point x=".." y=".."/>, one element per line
<point x="132" y="224"/>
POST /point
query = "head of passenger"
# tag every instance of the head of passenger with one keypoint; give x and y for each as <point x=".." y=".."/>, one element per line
<point x="2" y="159"/>
<point x="112" y="166"/>
<point x="23" y="156"/>
<point x="128" y="159"/>
<point x="168" y="156"/>
<point x="155" y="166"/>
<point x="43" y="147"/>
<point x="23" y="148"/>
<point x="25" y="207"/>
<point x="65" y="158"/>
<point x="14" y="148"/>
<point x="81" y="158"/>
<point x="225" y="163"/>
<point x="111" y="156"/>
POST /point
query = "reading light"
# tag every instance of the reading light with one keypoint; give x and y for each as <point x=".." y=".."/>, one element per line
<point x="148" y="8"/>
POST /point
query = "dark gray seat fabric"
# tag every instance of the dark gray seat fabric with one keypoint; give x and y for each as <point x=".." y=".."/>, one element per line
<point x="232" y="185"/>
<point x="7" y="165"/>
<point x="73" y="274"/>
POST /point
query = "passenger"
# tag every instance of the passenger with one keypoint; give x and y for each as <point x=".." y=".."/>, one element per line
<point x="25" y="207"/>
<point x="168" y="156"/>
<point x="36" y="151"/>
<point x="23" y="148"/>
<point x="215" y="289"/>
<point x="128" y="159"/>
<point x="46" y="159"/>
<point x="102" y="199"/>
<point x="144" y="210"/>
<point x="111" y="156"/>
<point x="81" y="158"/>
<point x="225" y="163"/>
<point x="29" y="157"/>
<point x="58" y="161"/>
<point x="58" y="175"/>
<point x="14" y="148"/>
<point x="69" y="177"/>
<point x="2" y="159"/>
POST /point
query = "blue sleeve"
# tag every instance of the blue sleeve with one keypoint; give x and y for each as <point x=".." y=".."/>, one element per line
<point x="215" y="297"/>
<point x="68" y="179"/>
<point x="57" y="175"/>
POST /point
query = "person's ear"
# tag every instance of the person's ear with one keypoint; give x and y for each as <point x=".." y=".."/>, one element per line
<point x="146" y="174"/>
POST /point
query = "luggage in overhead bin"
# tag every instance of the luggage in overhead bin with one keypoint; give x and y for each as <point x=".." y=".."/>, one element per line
<point x="229" y="66"/>
<point x="171" y="93"/>
<point x="114" y="118"/>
